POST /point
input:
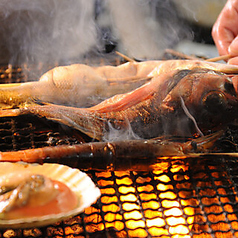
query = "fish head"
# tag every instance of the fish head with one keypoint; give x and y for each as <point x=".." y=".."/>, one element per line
<point x="213" y="99"/>
<point x="206" y="99"/>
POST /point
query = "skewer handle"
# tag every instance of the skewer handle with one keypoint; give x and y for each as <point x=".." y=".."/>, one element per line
<point x="222" y="57"/>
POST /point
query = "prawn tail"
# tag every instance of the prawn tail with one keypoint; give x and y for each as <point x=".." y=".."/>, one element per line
<point x="83" y="156"/>
<point x="41" y="155"/>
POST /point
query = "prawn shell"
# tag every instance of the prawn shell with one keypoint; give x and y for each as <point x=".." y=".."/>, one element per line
<point x="79" y="182"/>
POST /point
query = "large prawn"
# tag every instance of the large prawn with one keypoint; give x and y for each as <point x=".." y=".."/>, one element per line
<point x="119" y="155"/>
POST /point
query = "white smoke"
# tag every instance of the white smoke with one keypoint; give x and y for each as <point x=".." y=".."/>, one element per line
<point x="46" y="30"/>
<point x="52" y="32"/>
<point x="118" y="135"/>
<point x="143" y="28"/>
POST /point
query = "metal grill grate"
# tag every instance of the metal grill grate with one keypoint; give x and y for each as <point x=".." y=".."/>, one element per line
<point x="193" y="197"/>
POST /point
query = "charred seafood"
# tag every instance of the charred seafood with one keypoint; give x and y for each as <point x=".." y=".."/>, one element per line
<point x="104" y="155"/>
<point x="181" y="102"/>
<point x="183" y="98"/>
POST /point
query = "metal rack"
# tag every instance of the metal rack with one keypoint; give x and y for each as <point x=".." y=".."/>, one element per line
<point x="189" y="197"/>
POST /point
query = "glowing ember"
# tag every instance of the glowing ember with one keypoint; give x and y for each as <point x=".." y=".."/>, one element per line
<point x="145" y="208"/>
<point x="175" y="216"/>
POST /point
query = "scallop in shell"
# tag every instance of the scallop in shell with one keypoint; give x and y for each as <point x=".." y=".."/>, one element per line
<point x="78" y="182"/>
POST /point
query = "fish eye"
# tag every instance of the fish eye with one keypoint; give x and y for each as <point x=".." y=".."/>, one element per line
<point x="214" y="102"/>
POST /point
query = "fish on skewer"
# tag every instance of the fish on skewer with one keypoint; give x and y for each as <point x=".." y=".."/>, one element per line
<point x="181" y="102"/>
<point x="81" y="85"/>
<point x="76" y="85"/>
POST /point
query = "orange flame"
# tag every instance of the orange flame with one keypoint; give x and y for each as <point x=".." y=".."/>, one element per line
<point x="140" y="212"/>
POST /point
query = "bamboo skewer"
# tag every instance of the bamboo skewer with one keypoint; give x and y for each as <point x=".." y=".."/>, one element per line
<point x="180" y="55"/>
<point x="215" y="59"/>
<point x="125" y="57"/>
<point x="218" y="58"/>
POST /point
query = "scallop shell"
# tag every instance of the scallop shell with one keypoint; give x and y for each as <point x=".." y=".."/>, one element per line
<point x="79" y="182"/>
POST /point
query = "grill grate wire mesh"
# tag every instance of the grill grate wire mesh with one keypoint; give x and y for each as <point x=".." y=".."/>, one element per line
<point x="193" y="197"/>
<point x="132" y="205"/>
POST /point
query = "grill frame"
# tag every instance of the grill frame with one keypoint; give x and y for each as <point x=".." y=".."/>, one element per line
<point x="204" y="175"/>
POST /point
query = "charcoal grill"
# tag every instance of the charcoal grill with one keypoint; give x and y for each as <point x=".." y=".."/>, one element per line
<point x="180" y="197"/>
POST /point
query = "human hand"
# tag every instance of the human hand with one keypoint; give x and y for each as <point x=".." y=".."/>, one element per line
<point x="225" y="31"/>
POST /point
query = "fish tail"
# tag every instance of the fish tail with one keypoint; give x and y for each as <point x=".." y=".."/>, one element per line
<point x="12" y="95"/>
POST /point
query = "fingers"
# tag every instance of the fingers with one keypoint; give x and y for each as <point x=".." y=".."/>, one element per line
<point x="233" y="47"/>
<point x="233" y="61"/>
<point x="222" y="37"/>
<point x="225" y="28"/>
<point x="233" y="51"/>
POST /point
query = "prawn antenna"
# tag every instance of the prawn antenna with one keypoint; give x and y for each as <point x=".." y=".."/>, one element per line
<point x="189" y="115"/>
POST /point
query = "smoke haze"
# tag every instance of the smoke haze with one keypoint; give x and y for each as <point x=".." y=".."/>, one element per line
<point x="52" y="32"/>
<point x="46" y="30"/>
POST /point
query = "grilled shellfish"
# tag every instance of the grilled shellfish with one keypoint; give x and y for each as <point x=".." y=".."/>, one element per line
<point x="48" y="186"/>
